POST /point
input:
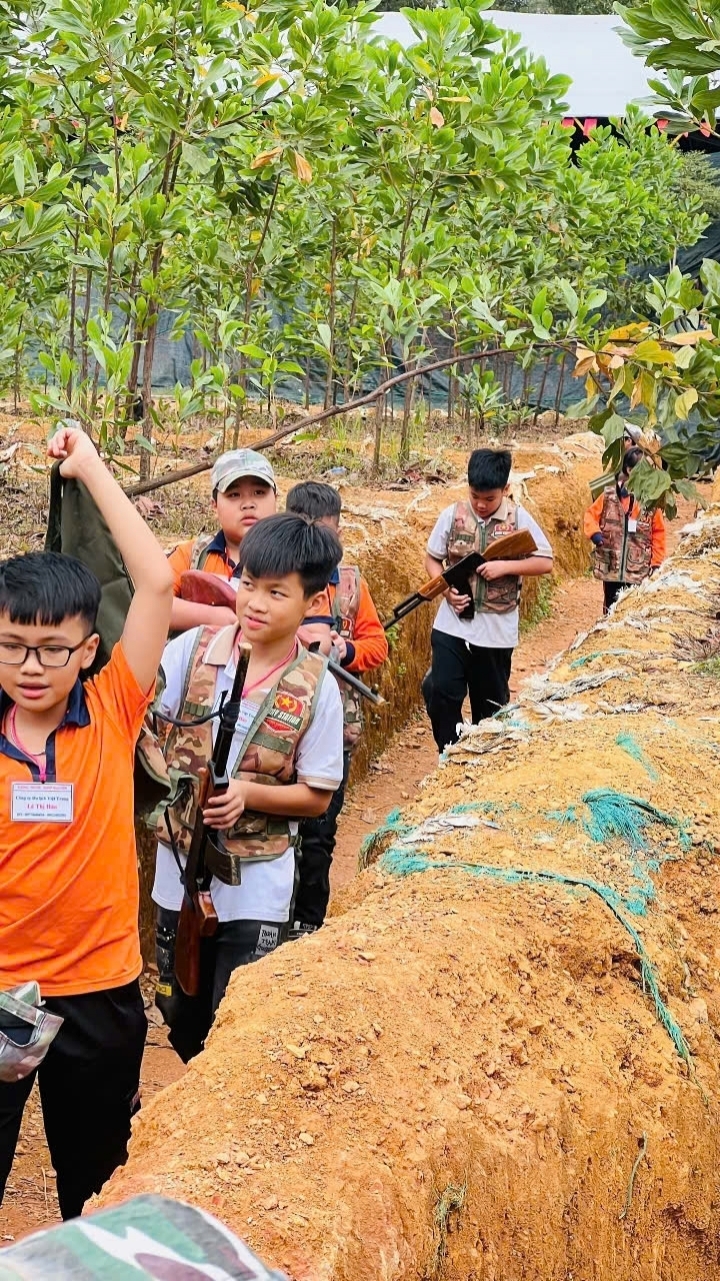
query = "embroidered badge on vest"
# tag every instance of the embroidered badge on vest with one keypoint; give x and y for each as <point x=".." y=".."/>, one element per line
<point x="285" y="713"/>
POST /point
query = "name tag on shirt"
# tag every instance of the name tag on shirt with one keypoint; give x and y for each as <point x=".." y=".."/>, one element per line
<point x="42" y="802"/>
<point x="632" y="525"/>
<point x="248" y="711"/>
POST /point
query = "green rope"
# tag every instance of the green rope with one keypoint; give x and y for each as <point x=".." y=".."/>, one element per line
<point x="618" y="814"/>
<point x="400" y="862"/>
<point x="633" y="749"/>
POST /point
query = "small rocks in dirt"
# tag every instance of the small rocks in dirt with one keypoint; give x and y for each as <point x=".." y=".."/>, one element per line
<point x="314" y="1080"/>
<point x="297" y="1051"/>
<point x="298" y="989"/>
<point x="270" y="1203"/>
<point x="369" y="817"/>
<point x="366" y="956"/>
<point x="306" y="1138"/>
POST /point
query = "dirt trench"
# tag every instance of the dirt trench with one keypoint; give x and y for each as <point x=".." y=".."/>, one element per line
<point x="499" y="1058"/>
<point x="385" y="532"/>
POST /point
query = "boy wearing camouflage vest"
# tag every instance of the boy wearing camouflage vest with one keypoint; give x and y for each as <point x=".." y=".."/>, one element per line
<point x="349" y="627"/>
<point x="243" y="492"/>
<point x="474" y="656"/>
<point x="629" y="541"/>
<point x="285" y="764"/>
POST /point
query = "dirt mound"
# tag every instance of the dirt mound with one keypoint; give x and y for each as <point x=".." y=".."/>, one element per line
<point x="499" y="1061"/>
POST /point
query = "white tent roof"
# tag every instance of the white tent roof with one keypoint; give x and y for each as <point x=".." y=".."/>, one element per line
<point x="605" y="74"/>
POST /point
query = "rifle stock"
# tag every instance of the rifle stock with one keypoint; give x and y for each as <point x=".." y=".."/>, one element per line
<point x="198" y="918"/>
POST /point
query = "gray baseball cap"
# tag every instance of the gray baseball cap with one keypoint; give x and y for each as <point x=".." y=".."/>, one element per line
<point x="238" y="463"/>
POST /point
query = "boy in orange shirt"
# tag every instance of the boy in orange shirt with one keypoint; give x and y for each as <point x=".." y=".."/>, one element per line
<point x="69" y="887"/>
<point x="243" y="492"/>
<point x="629" y="541"/>
<point x="354" y="630"/>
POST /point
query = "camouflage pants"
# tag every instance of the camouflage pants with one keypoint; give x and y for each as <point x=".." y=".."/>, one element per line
<point x="235" y="943"/>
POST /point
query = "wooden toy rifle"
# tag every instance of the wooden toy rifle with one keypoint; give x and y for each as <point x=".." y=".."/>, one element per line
<point x="507" y="547"/>
<point x="198" y="918"/>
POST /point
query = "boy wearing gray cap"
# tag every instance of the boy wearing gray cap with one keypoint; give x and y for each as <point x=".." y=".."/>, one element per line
<point x="243" y="492"/>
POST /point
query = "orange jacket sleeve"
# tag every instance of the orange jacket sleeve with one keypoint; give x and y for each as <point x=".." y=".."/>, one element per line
<point x="369" y="639"/>
<point x="179" y="561"/>
<point x="658" y="539"/>
<point x="591" y="522"/>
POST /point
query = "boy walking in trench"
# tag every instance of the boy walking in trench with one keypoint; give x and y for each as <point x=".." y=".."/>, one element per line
<point x="474" y="656"/>
<point x="629" y="541"/>
<point x="356" y="636"/>
<point x="69" y="884"/>
<point x="285" y="763"/>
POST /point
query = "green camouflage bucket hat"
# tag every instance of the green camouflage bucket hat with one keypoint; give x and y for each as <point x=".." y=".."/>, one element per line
<point x="26" y="1031"/>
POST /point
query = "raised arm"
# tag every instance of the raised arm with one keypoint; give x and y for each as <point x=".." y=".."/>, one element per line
<point x="146" y="625"/>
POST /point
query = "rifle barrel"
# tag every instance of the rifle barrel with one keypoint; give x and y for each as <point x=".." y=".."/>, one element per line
<point x="230" y="711"/>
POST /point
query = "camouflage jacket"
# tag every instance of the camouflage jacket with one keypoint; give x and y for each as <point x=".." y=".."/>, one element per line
<point x="267" y="756"/>
<point x="468" y="534"/>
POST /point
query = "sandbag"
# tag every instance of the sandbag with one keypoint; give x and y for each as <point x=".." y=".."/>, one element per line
<point x="149" y="1236"/>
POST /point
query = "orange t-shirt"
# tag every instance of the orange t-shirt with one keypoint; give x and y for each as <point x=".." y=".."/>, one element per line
<point x="69" y="891"/>
<point x="180" y="560"/>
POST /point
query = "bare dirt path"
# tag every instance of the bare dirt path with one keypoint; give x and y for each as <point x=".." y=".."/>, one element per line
<point x="30" y="1200"/>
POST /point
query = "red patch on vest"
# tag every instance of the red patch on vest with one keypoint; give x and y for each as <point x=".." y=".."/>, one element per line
<point x="286" y="713"/>
<point x="499" y="531"/>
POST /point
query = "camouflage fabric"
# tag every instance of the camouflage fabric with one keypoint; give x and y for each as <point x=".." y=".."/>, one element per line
<point x="468" y="534"/>
<point x="268" y="757"/>
<point x="623" y="557"/>
<point x="149" y="1236"/>
<point x="199" y="553"/>
<point x="26" y="1031"/>
<point x="345" y="610"/>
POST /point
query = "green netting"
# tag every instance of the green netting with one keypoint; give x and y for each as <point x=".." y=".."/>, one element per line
<point x="628" y="817"/>
<point x="633" y="748"/>
<point x="598" y="653"/>
<point x="400" y="862"/>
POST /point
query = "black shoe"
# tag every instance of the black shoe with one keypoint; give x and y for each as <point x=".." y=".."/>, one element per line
<point x="299" y="930"/>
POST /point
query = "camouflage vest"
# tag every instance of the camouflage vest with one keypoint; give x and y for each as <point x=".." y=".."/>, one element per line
<point x="624" y="557"/>
<point x="468" y="534"/>
<point x="344" y="605"/>
<point x="199" y="553"/>
<point x="267" y="756"/>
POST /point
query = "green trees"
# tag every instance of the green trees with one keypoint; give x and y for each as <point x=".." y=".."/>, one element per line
<point x="290" y="189"/>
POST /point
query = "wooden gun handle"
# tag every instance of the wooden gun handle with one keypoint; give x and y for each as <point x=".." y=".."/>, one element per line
<point x="206" y="589"/>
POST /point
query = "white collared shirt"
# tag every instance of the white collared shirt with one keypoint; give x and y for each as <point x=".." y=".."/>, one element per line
<point x="491" y="631"/>
<point x="266" y="888"/>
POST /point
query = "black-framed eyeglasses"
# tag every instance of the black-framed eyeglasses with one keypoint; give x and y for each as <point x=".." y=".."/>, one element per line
<point x="12" y="655"/>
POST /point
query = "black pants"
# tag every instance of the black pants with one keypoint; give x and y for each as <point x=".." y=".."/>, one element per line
<point x="235" y="943"/>
<point x="611" y="591"/>
<point x="458" y="669"/>
<point x="89" y="1089"/>
<point x="317" y="846"/>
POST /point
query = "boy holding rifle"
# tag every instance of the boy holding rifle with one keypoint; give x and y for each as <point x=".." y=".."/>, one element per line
<point x="359" y="644"/>
<point x="68" y="864"/>
<point x="284" y="765"/>
<point x="475" y="633"/>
